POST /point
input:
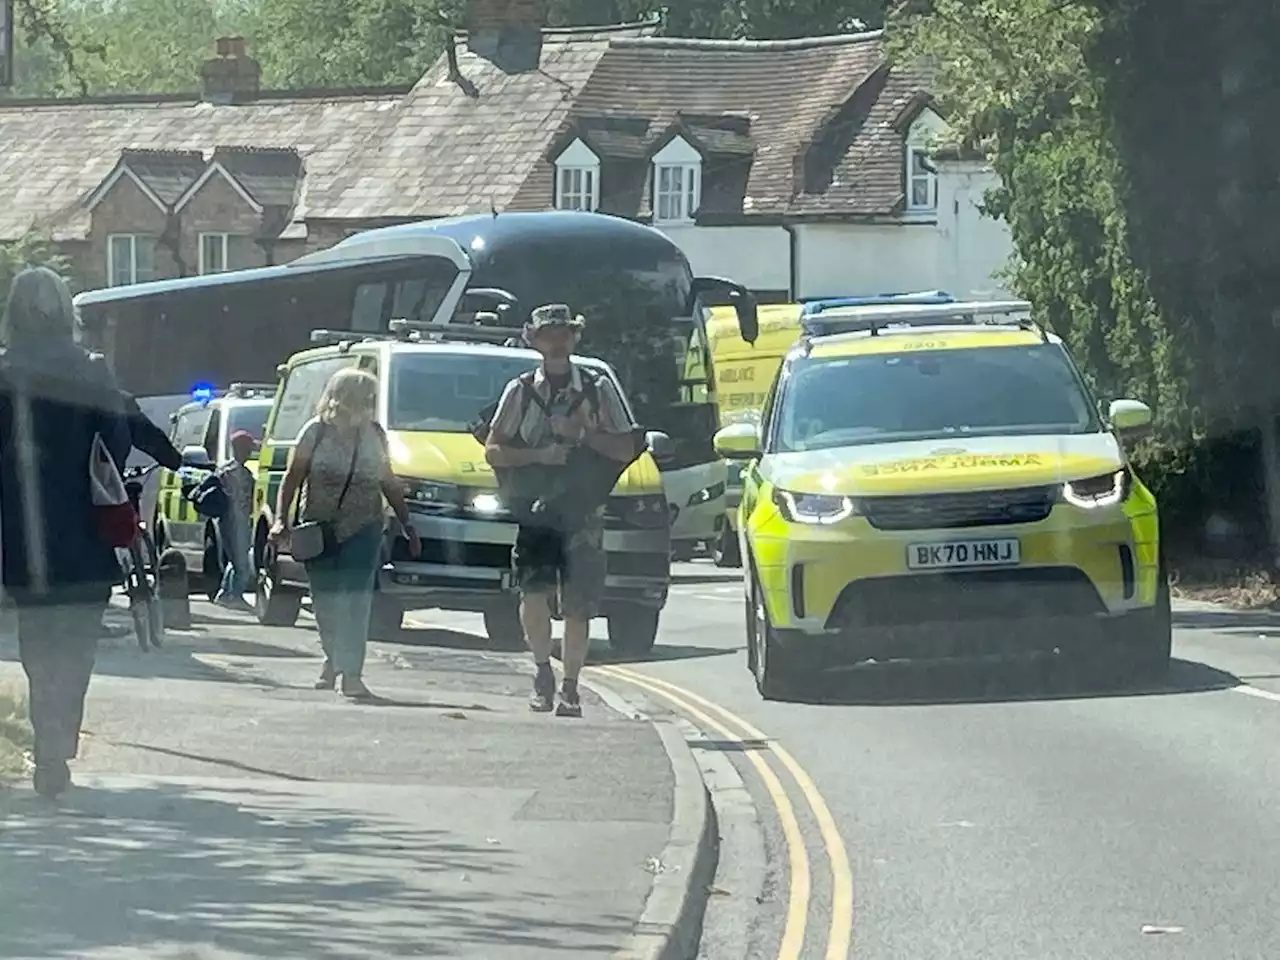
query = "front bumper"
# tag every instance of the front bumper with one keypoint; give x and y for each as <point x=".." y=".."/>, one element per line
<point x="852" y="578"/>
<point x="465" y="564"/>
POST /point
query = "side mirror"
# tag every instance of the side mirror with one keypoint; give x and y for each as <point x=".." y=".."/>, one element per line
<point x="197" y="458"/>
<point x="660" y="445"/>
<point x="714" y="290"/>
<point x="1130" y="418"/>
<point x="737" y="441"/>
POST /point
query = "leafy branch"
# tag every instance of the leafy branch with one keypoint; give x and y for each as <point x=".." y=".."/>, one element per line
<point x="39" y="23"/>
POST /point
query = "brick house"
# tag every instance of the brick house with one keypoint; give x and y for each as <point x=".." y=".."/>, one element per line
<point x="800" y="167"/>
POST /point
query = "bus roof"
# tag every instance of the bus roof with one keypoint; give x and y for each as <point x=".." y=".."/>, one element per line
<point x="482" y="234"/>
<point x="411" y="245"/>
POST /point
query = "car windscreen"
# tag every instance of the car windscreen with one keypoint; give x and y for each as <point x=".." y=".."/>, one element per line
<point x="250" y="417"/>
<point x="445" y="392"/>
<point x="932" y="394"/>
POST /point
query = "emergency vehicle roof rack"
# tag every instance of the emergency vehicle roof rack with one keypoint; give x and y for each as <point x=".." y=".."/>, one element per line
<point x="819" y="305"/>
<point x="483" y="330"/>
<point x="873" y="319"/>
<point x="249" y="389"/>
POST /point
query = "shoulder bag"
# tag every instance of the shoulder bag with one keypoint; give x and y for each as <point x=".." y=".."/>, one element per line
<point x="314" y="539"/>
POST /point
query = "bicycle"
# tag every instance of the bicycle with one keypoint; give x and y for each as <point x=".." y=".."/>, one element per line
<point x="140" y="562"/>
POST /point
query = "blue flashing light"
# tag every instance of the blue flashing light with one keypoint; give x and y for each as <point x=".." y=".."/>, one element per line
<point x="923" y="298"/>
<point x="202" y="392"/>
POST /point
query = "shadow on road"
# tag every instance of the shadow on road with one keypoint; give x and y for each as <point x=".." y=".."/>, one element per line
<point x="180" y="869"/>
<point x="601" y="652"/>
<point x="1044" y="679"/>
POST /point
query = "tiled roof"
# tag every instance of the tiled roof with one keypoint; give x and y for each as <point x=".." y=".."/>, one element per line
<point x="55" y="154"/>
<point x="166" y="172"/>
<point x="782" y="94"/>
<point x="809" y="127"/>
<point x="461" y="145"/>
<point x="270" y="175"/>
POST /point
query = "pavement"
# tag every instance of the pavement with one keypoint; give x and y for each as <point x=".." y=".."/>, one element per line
<point x="225" y="809"/>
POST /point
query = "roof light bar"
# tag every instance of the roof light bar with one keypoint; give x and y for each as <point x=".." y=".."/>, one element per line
<point x="872" y="319"/>
<point x="923" y="298"/>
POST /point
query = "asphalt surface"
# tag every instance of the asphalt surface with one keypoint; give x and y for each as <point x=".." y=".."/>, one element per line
<point x="992" y="813"/>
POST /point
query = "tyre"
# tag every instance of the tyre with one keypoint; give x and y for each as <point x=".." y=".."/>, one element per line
<point x="503" y="628"/>
<point x="276" y="604"/>
<point x="634" y="630"/>
<point x="726" y="553"/>
<point x="1148" y="642"/>
<point x="386" y="618"/>
<point x="774" y="668"/>
<point x="211" y="567"/>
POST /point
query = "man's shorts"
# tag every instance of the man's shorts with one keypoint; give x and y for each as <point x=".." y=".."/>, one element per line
<point x="545" y="559"/>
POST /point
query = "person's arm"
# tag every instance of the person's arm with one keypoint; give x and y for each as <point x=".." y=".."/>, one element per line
<point x="612" y="434"/>
<point x="499" y="450"/>
<point x="391" y="486"/>
<point x="150" y="439"/>
<point x="113" y="421"/>
<point x="299" y="466"/>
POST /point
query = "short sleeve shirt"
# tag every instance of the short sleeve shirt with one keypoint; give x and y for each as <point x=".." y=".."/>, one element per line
<point x="330" y="449"/>
<point x="533" y="427"/>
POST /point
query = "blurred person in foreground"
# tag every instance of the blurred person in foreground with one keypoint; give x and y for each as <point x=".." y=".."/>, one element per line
<point x="341" y="472"/>
<point x="56" y="399"/>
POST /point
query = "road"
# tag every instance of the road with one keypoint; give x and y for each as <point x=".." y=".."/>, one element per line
<point x="976" y="813"/>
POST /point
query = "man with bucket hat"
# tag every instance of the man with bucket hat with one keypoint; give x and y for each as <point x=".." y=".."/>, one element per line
<point x="558" y="441"/>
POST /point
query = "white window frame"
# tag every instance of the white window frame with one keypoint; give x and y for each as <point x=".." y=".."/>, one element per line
<point x="582" y="195"/>
<point x="577" y="162"/>
<point x="133" y="239"/>
<point x="224" y="242"/>
<point x="927" y="174"/>
<point x="680" y="164"/>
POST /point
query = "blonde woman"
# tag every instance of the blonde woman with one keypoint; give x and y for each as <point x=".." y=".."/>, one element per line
<point x="341" y="470"/>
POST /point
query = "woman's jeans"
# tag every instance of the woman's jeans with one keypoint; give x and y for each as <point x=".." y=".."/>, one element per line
<point x="342" y="598"/>
<point x="234" y="532"/>
<point x="57" y="643"/>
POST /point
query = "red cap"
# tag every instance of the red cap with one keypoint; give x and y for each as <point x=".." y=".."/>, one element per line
<point x="243" y="436"/>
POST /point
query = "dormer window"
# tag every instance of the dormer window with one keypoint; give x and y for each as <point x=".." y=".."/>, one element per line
<point x="577" y="178"/>
<point x="677" y="182"/>
<point x="922" y="181"/>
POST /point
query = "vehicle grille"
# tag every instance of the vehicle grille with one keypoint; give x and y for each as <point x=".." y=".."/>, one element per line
<point x="656" y="565"/>
<point x="456" y="553"/>
<point x="942" y="511"/>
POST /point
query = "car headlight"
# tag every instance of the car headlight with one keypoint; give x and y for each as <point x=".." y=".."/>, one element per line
<point x="646" y="511"/>
<point x="707" y="494"/>
<point x="1103" y="491"/>
<point x="488" y="505"/>
<point x="816" y="508"/>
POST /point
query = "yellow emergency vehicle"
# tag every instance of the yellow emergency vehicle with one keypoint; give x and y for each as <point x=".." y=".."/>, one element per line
<point x="926" y="483"/>
<point x="201" y="431"/>
<point x="432" y="389"/>
<point x="743" y="372"/>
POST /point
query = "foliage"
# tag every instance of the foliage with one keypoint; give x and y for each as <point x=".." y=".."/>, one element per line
<point x="69" y="47"/>
<point x="33" y="250"/>
<point x="1015" y="79"/>
<point x="15" y="735"/>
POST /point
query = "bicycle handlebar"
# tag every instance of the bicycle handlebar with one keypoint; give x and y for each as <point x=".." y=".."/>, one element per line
<point x="137" y="473"/>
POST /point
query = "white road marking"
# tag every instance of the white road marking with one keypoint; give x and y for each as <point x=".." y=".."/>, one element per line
<point x="1256" y="692"/>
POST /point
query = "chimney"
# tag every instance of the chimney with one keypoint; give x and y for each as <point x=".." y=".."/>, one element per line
<point x="232" y="76"/>
<point x="507" y="32"/>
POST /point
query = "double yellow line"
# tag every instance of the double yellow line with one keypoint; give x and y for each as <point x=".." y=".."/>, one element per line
<point x="713" y="717"/>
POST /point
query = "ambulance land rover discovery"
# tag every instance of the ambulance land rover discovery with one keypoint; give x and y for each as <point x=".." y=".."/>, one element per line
<point x="430" y="393"/>
<point x="924" y="484"/>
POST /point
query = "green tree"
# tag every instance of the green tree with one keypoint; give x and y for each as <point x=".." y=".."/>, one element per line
<point x="1016" y="81"/>
<point x="33" y="250"/>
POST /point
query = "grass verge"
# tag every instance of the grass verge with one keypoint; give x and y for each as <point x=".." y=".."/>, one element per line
<point x="15" y="734"/>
